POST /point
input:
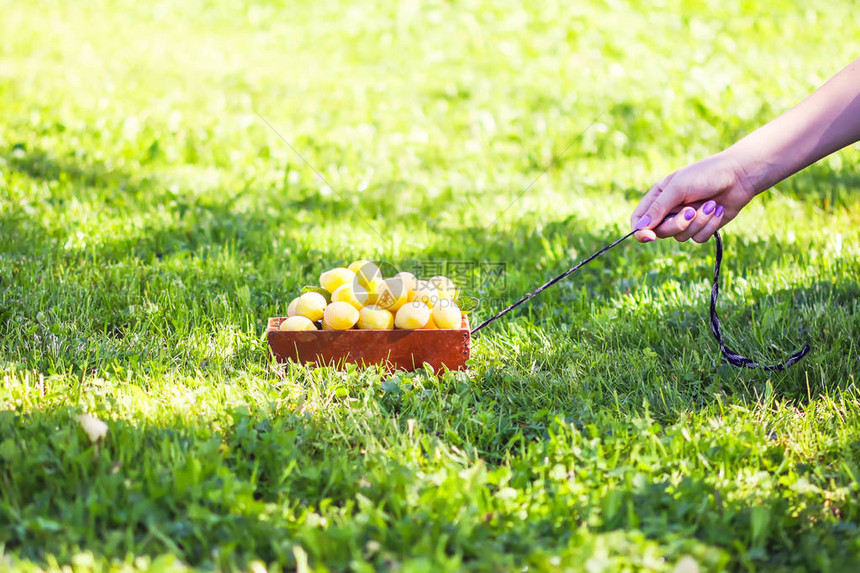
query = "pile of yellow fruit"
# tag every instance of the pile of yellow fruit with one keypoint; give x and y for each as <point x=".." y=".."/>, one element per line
<point x="361" y="298"/>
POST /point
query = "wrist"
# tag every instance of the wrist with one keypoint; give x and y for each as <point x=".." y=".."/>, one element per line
<point x="759" y="166"/>
<point x="750" y="174"/>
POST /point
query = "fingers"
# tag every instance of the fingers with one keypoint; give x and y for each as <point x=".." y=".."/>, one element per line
<point x="645" y="236"/>
<point x="645" y="203"/>
<point x="676" y="223"/>
<point x="689" y="223"/>
<point x="661" y="200"/>
<point x="671" y="226"/>
<point x="718" y="219"/>
<point x="653" y="205"/>
<point x="703" y="217"/>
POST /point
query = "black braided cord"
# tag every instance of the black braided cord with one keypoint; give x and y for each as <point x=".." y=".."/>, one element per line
<point x="731" y="356"/>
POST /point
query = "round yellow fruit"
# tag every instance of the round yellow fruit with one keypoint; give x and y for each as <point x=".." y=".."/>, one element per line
<point x="446" y="314"/>
<point x="331" y="280"/>
<point x="426" y="293"/>
<point x="445" y="286"/>
<point x="373" y="317"/>
<point x="325" y="325"/>
<point x="311" y="305"/>
<point x="391" y="294"/>
<point x="340" y="315"/>
<point x="409" y="280"/>
<point x="297" y="323"/>
<point x="412" y="315"/>
<point x="368" y="274"/>
<point x="353" y="294"/>
<point x="291" y="310"/>
<point x="430" y="324"/>
<point x="354" y="266"/>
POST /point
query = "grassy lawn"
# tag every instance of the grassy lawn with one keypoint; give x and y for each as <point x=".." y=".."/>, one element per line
<point x="150" y="222"/>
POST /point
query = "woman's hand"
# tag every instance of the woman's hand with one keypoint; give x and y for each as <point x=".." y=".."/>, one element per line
<point x="701" y="197"/>
<point x="706" y="195"/>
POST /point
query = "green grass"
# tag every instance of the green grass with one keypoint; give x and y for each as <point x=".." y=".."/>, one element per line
<point x="150" y="222"/>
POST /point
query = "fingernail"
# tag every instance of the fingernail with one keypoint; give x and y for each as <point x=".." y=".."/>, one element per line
<point x="708" y="207"/>
<point x="719" y="211"/>
<point x="647" y="239"/>
<point x="689" y="214"/>
<point x="643" y="222"/>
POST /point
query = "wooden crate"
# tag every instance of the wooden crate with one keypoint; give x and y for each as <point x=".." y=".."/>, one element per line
<point x="403" y="349"/>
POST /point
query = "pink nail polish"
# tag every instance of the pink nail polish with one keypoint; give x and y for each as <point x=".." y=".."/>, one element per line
<point x="719" y="211"/>
<point x="647" y="239"/>
<point x="643" y="222"/>
<point x="708" y="207"/>
<point x="689" y="214"/>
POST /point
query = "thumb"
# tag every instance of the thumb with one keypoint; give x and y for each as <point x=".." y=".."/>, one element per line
<point x="666" y="198"/>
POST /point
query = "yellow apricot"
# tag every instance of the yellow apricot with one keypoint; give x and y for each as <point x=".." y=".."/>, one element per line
<point x="426" y="293"/>
<point x="291" y="310"/>
<point x="368" y="274"/>
<point x="331" y="280"/>
<point x="446" y="314"/>
<point x="391" y="294"/>
<point x="311" y="305"/>
<point x="297" y="323"/>
<point x="352" y="293"/>
<point x="412" y="315"/>
<point x="445" y="286"/>
<point x="373" y="317"/>
<point x="340" y="315"/>
<point x="409" y="281"/>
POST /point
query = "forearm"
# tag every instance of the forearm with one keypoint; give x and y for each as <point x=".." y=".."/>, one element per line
<point x="826" y="121"/>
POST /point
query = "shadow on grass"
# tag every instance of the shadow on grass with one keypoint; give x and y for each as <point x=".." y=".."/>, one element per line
<point x="664" y="359"/>
<point x="24" y="233"/>
<point x="43" y="166"/>
<point x="198" y="224"/>
<point x="588" y="340"/>
<point x="264" y="483"/>
<point x="168" y="223"/>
